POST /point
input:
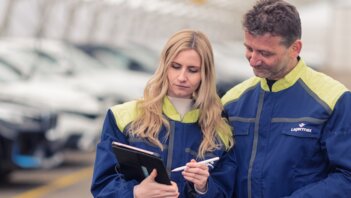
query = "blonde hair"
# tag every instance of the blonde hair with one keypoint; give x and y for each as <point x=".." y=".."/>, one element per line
<point x="150" y="118"/>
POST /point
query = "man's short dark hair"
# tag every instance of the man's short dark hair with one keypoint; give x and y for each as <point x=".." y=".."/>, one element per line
<point x="275" y="17"/>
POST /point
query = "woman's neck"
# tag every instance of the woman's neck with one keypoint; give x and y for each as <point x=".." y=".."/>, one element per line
<point x="182" y="105"/>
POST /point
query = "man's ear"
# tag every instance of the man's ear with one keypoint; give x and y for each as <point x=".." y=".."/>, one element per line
<point x="295" y="48"/>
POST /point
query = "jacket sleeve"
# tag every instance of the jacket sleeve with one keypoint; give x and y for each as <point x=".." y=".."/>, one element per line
<point x="222" y="177"/>
<point x="336" y="142"/>
<point x="107" y="182"/>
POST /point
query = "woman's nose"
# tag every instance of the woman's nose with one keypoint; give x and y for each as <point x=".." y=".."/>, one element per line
<point x="182" y="75"/>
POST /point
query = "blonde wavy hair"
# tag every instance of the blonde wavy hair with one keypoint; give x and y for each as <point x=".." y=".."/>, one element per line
<point x="150" y="118"/>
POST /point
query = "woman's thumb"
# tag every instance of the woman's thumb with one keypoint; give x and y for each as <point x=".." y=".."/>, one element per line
<point x="153" y="174"/>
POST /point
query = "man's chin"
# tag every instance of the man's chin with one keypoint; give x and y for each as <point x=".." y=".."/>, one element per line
<point x="260" y="74"/>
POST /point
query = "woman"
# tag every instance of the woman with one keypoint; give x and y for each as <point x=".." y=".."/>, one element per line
<point x="180" y="119"/>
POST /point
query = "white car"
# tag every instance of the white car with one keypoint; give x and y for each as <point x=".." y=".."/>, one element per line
<point x="80" y="114"/>
<point x="60" y="62"/>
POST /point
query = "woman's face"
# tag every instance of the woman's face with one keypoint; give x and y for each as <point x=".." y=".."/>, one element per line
<point x="184" y="74"/>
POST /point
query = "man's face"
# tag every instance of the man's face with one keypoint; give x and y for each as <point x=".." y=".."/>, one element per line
<point x="268" y="57"/>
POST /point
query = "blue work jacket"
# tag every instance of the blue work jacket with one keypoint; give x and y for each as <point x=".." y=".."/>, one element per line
<point x="179" y="148"/>
<point x="293" y="140"/>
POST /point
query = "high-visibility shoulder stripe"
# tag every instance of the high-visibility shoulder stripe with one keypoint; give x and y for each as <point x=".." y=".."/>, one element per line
<point x="325" y="87"/>
<point x="238" y="90"/>
<point x="224" y="138"/>
<point x="124" y="114"/>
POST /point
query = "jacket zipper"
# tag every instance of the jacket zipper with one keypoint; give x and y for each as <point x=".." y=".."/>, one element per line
<point x="254" y="145"/>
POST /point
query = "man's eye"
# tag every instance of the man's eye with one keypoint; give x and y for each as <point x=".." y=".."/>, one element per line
<point x="266" y="54"/>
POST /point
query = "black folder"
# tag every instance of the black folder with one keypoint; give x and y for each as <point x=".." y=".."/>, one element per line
<point x="136" y="163"/>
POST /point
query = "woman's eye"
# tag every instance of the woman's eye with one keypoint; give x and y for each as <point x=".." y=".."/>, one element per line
<point x="193" y="70"/>
<point x="176" y="66"/>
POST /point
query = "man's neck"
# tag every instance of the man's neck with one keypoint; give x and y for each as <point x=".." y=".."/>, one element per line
<point x="270" y="83"/>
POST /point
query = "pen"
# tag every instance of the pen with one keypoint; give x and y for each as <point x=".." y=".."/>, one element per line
<point x="201" y="162"/>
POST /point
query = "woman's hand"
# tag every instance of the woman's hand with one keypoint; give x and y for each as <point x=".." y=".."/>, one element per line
<point x="197" y="174"/>
<point x="150" y="188"/>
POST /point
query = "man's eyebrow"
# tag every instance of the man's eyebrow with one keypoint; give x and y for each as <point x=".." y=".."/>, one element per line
<point x="247" y="46"/>
<point x="266" y="51"/>
<point x="259" y="50"/>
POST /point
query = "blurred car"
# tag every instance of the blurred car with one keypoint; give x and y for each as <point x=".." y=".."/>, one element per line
<point x="80" y="115"/>
<point x="231" y="70"/>
<point x="231" y="65"/>
<point x="131" y="57"/>
<point x="25" y="140"/>
<point x="61" y="62"/>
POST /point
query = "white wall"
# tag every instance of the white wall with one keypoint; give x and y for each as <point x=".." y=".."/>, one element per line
<point x="339" y="50"/>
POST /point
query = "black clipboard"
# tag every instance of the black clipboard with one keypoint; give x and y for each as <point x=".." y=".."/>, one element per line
<point x="136" y="163"/>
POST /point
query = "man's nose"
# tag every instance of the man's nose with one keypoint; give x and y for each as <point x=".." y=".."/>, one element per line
<point x="255" y="59"/>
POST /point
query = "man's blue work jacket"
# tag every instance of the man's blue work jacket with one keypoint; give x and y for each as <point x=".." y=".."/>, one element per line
<point x="293" y="140"/>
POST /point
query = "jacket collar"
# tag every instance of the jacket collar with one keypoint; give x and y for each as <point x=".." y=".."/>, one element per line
<point x="170" y="111"/>
<point x="288" y="80"/>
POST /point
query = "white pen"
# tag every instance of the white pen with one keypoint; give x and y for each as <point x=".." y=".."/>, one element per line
<point x="201" y="162"/>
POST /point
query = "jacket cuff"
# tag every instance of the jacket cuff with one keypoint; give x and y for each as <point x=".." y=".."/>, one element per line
<point x="201" y="192"/>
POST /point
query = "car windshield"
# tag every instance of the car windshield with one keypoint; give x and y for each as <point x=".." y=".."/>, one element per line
<point x="144" y="56"/>
<point x="129" y="58"/>
<point x="7" y="73"/>
<point x="110" y="57"/>
<point x="47" y="57"/>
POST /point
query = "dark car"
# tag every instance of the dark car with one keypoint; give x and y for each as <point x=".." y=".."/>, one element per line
<point x="26" y="141"/>
<point x="133" y="58"/>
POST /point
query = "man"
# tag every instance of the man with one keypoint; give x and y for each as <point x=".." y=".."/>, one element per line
<point x="292" y="125"/>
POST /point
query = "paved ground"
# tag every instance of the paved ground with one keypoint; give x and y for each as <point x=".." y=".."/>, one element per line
<point x="72" y="179"/>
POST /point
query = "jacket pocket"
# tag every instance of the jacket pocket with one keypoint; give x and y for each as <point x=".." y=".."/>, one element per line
<point x="241" y="126"/>
<point x="241" y="129"/>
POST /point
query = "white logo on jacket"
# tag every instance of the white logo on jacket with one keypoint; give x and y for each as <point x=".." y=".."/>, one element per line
<point x="301" y="128"/>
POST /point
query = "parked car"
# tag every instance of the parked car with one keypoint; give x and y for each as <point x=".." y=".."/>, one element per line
<point x="80" y="114"/>
<point x="231" y="70"/>
<point x="26" y="137"/>
<point x="133" y="58"/>
<point x="231" y="65"/>
<point x="61" y="62"/>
